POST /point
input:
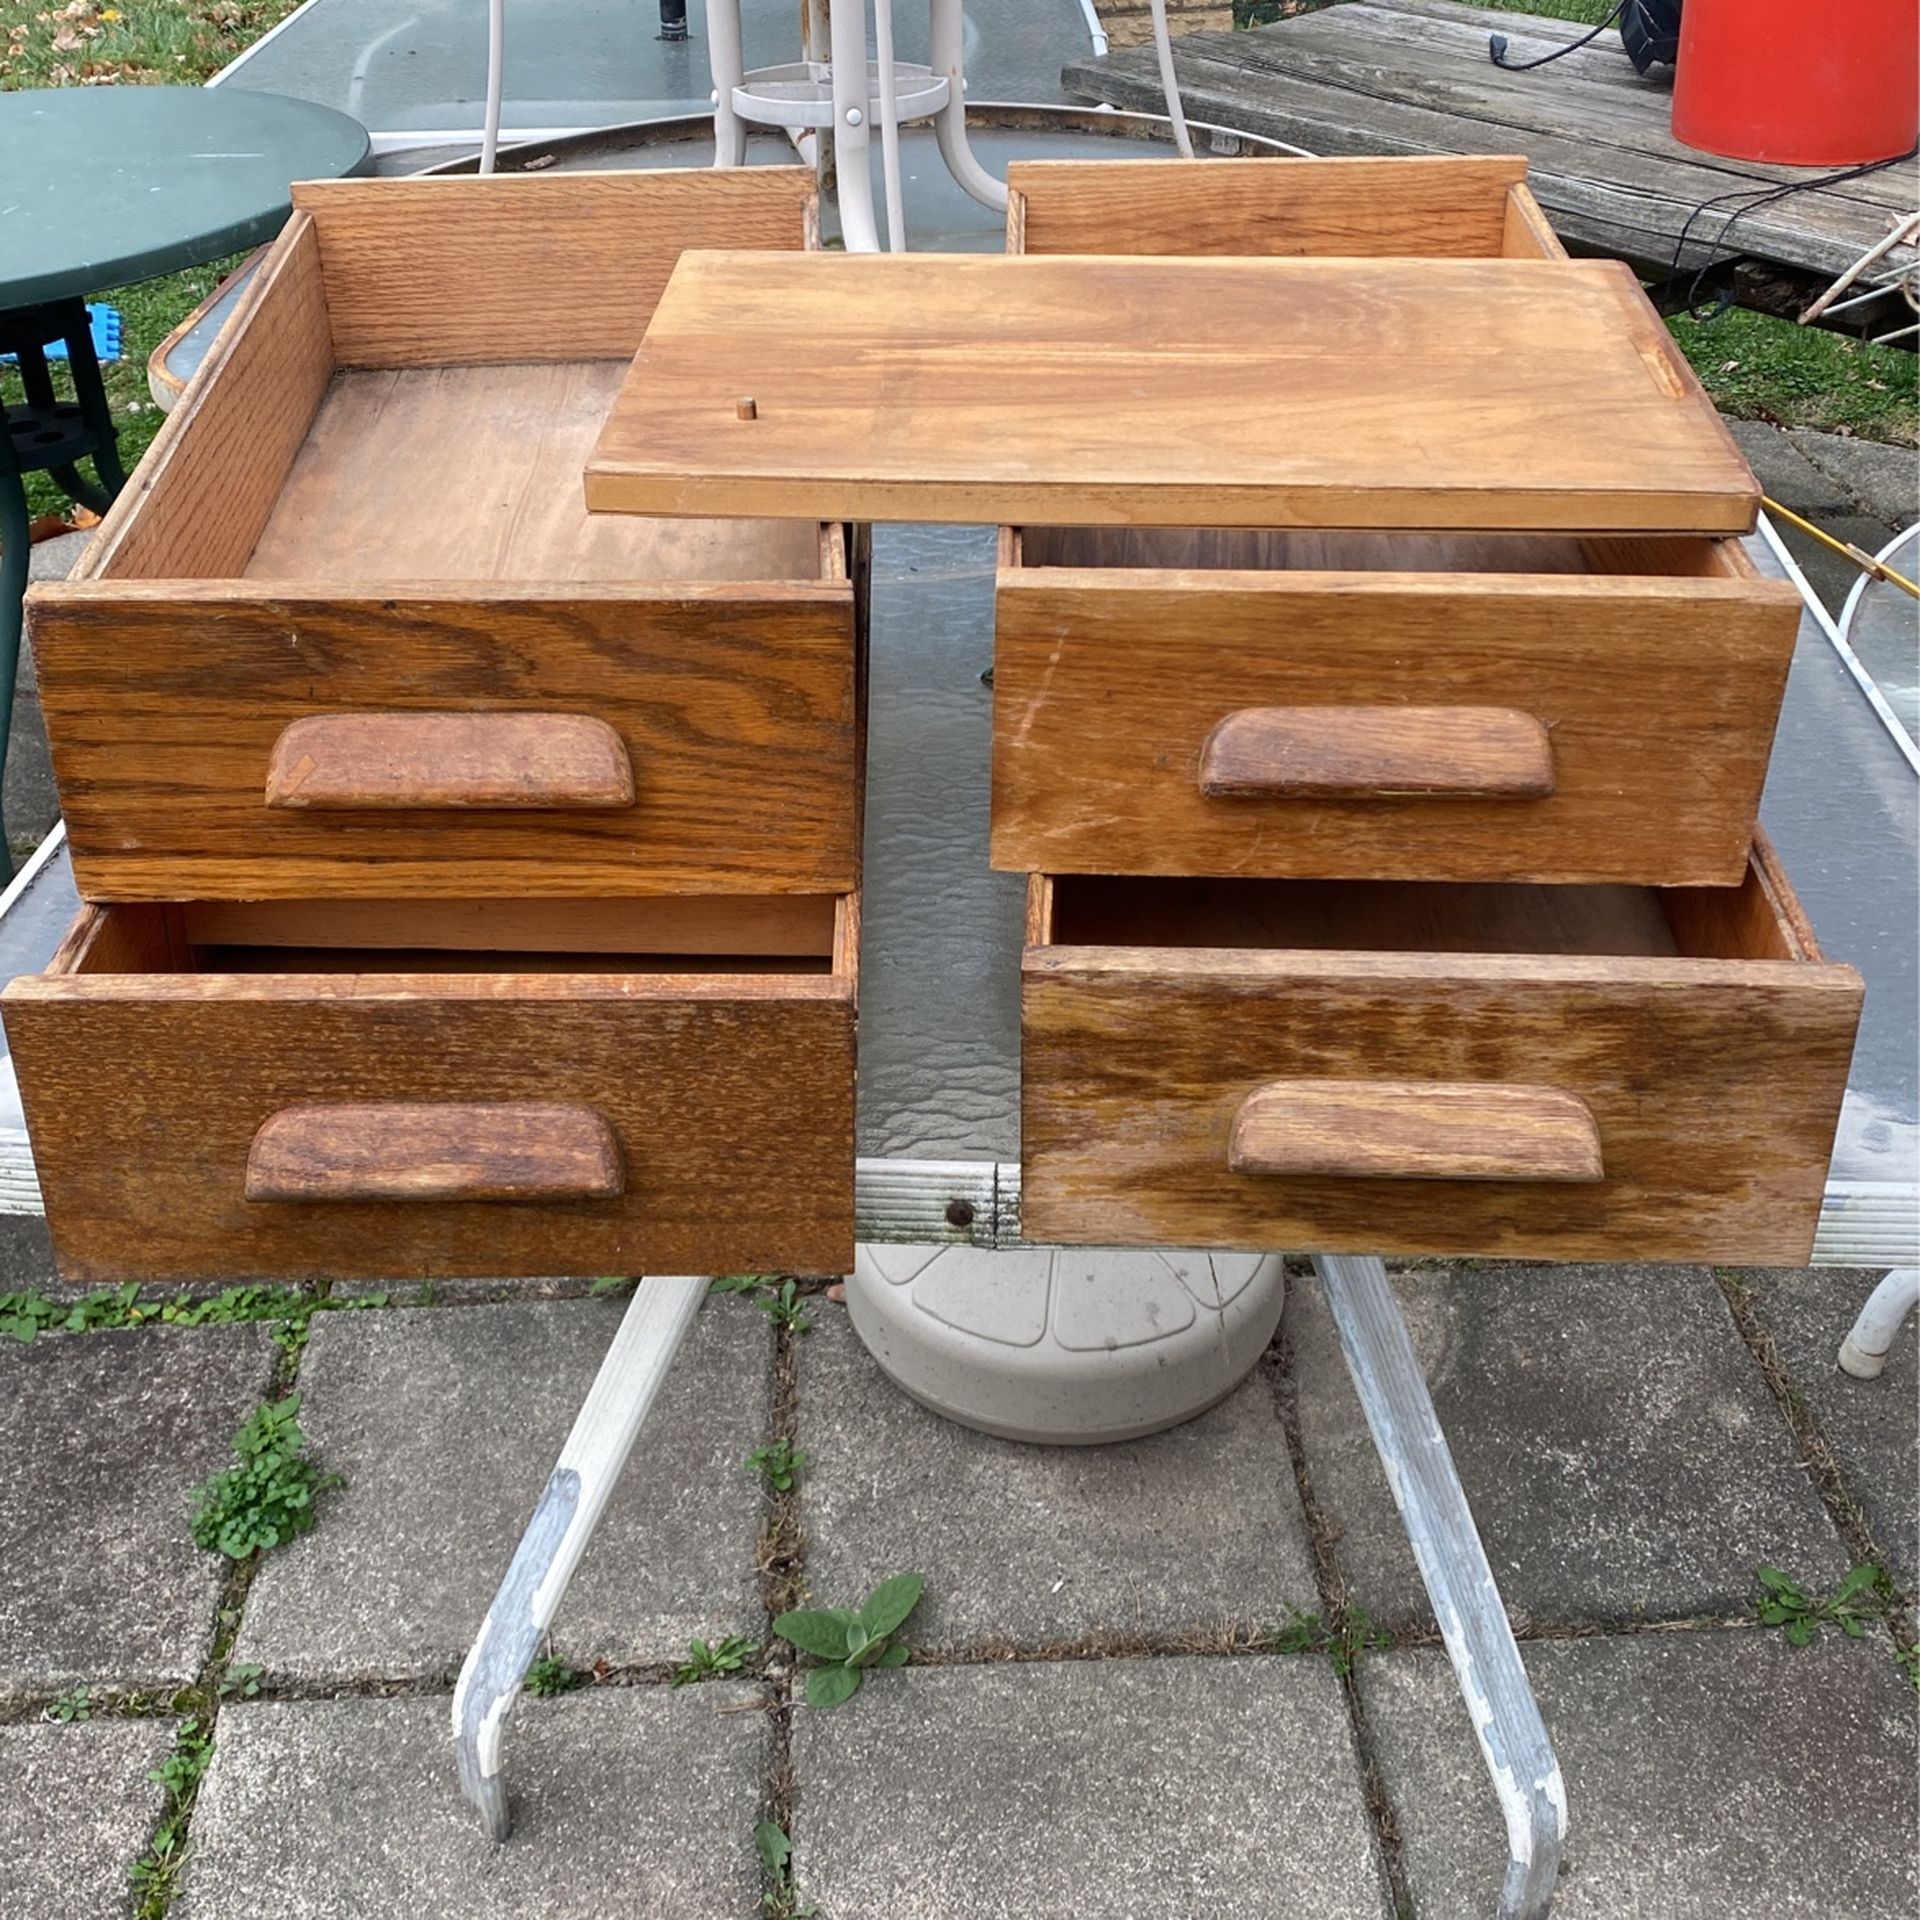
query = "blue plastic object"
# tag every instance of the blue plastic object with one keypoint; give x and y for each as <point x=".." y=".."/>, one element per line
<point x="106" y="337"/>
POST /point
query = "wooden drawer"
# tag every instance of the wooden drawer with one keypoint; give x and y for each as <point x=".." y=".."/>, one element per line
<point x="1383" y="706"/>
<point x="351" y="630"/>
<point x="229" y="1091"/>
<point x="1552" y="1072"/>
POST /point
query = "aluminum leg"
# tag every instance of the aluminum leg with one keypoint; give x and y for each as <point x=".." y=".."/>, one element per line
<point x="728" y="65"/>
<point x="847" y="25"/>
<point x="947" y="35"/>
<point x="496" y="83"/>
<point x="1863" y="1353"/>
<point x="576" y="1494"/>
<point x="1433" y="1507"/>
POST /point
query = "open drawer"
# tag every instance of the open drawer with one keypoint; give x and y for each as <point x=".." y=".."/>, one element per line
<point x="1567" y="1073"/>
<point x="351" y="630"/>
<point x="1424" y="206"/>
<point x="346" y="1089"/>
<point x="1388" y="706"/>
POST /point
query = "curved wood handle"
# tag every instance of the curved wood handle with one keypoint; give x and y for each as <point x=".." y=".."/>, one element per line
<point x="478" y="760"/>
<point x="1414" y="1130"/>
<point x="1376" y="753"/>
<point x="426" y="1150"/>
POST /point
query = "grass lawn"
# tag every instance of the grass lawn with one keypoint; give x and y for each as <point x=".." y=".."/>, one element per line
<point x="146" y="42"/>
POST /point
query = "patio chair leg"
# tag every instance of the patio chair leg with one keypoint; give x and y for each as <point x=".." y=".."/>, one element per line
<point x="727" y="63"/>
<point x="603" y="1434"/>
<point x="1473" y="1623"/>
<point x="1863" y="1353"/>
<point x="947" y="32"/>
<point x="852" y="109"/>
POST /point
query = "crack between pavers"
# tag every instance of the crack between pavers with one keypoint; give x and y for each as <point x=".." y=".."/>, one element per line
<point x="1276" y="1369"/>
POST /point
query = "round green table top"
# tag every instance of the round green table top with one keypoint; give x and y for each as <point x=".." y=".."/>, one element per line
<point x="104" y="186"/>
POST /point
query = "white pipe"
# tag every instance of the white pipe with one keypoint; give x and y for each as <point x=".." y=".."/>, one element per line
<point x="1095" y="31"/>
<point x="889" y="126"/>
<point x="1176" y="109"/>
<point x="1863" y="1353"/>
<point x="496" y="82"/>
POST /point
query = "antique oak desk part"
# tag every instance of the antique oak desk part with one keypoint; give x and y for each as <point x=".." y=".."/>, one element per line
<point x="1378" y="892"/>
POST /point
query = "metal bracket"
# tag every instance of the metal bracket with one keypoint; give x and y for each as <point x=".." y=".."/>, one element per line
<point x="1473" y="1623"/>
<point x="604" y="1430"/>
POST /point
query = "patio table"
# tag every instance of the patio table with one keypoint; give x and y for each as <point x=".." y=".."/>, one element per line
<point x="102" y="187"/>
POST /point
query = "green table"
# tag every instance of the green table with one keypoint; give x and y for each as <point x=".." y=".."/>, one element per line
<point x="101" y="187"/>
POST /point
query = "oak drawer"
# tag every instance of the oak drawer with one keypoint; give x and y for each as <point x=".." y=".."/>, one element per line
<point x="227" y="1091"/>
<point x="1381" y="706"/>
<point x="351" y="630"/>
<point x="1569" y="1073"/>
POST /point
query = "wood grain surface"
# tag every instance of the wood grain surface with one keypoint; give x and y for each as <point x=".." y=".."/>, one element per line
<point x="1308" y="392"/>
<point x="1714" y="1080"/>
<point x="1413" y="1130"/>
<point x="736" y="708"/>
<point x="425" y="1151"/>
<point x="730" y="1094"/>
<point x="1658" y="693"/>
<point x="557" y="266"/>
<point x="1375" y="753"/>
<point x="1428" y="206"/>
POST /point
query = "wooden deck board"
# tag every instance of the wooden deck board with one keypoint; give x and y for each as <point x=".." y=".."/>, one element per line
<point x="1412" y="76"/>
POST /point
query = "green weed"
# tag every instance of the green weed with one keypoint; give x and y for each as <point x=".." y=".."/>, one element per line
<point x="268" y="1498"/>
<point x="847" y="1641"/>
<point x="778" y="1463"/>
<point x="1308" y="1633"/>
<point x="710" y="1659"/>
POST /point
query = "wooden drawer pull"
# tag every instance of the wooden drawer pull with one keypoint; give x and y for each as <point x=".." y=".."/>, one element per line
<point x="1414" y="1130"/>
<point x="420" y="1150"/>
<point x="391" y="760"/>
<point x="1376" y="753"/>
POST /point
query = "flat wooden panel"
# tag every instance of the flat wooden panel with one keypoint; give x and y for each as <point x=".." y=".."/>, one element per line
<point x="1715" y="1086"/>
<point x="736" y="708"/>
<point x="427" y="1152"/>
<point x="731" y="1097"/>
<point x="473" y="473"/>
<point x="198" y="500"/>
<point x="1526" y="232"/>
<point x="992" y="387"/>
<point x="1659" y="696"/>
<point x="1426" y="206"/>
<point x="560" y="266"/>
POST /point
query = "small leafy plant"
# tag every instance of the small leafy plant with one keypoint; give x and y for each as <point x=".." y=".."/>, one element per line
<point x="268" y="1498"/>
<point x="708" y="1660"/>
<point x="241" y="1681"/>
<point x="780" y="1901"/>
<point x="742" y="1283"/>
<point x="1783" y="1602"/>
<point x="550" y="1675"/>
<point x="156" y="1873"/>
<point x="784" y="1308"/>
<point x="72" y="1707"/>
<point x="1308" y="1633"/>
<point x="778" y="1463"/>
<point x="848" y="1641"/>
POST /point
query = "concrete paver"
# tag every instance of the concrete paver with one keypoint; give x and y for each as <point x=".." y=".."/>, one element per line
<point x="76" y="1806"/>
<point x="637" y="1801"/>
<point x="1709" y="1776"/>
<point x="1176" y="1535"/>
<point x="1155" y="1789"/>
<point x="103" y="1437"/>
<point x="1873" y="1425"/>
<point x="1621" y="1451"/>
<point x="445" y="1422"/>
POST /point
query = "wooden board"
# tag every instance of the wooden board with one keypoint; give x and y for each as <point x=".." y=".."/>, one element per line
<point x="1658" y="697"/>
<point x="473" y="473"/>
<point x="1315" y="392"/>
<point x="730" y="1096"/>
<point x="1714" y="1084"/>
<point x="736" y="708"/>
<point x="1412" y="77"/>
<point x="443" y="269"/>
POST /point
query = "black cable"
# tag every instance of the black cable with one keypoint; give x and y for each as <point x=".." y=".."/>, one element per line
<point x="1497" y="46"/>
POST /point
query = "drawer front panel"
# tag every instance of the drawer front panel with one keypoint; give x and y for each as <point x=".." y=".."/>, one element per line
<point x="240" y="744"/>
<point x="1713" y="1089"/>
<point x="1355" y="726"/>
<point x="612" y="1125"/>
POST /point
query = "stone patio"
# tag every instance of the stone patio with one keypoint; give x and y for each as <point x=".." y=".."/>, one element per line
<point x="1094" y="1723"/>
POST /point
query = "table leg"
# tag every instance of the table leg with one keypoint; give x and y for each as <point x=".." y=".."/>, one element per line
<point x="1863" y="1353"/>
<point x="947" y="30"/>
<point x="1473" y="1623"/>
<point x="14" y="549"/>
<point x="604" y="1430"/>
<point x="91" y="392"/>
